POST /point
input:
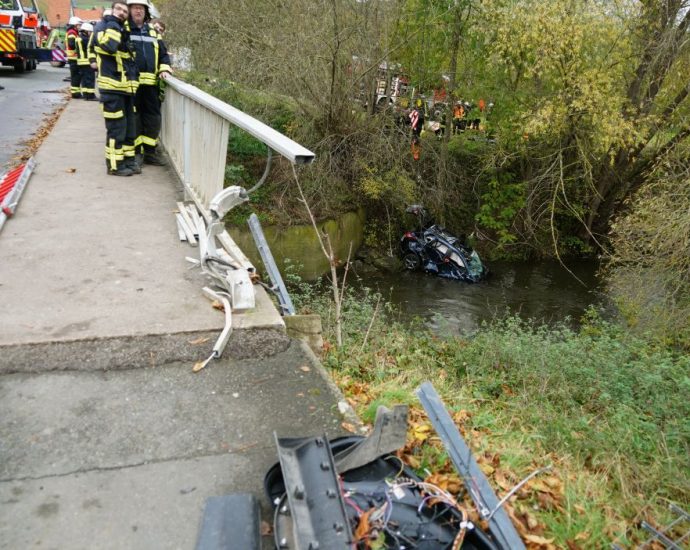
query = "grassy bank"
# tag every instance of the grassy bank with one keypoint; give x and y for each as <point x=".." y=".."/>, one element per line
<point x="609" y="411"/>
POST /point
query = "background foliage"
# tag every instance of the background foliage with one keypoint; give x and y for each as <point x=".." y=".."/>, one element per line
<point x="590" y="107"/>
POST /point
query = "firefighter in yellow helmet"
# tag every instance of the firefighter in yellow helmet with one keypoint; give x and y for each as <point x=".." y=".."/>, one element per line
<point x="117" y="81"/>
<point x="151" y="56"/>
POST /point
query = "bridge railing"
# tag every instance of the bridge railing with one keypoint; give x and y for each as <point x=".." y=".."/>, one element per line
<point x="195" y="135"/>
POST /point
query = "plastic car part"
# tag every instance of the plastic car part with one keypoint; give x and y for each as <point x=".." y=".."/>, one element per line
<point x="230" y="521"/>
<point x="389" y="435"/>
<point x="315" y="502"/>
<point x="412" y="521"/>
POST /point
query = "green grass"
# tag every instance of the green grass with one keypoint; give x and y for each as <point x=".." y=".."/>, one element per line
<point x="608" y="409"/>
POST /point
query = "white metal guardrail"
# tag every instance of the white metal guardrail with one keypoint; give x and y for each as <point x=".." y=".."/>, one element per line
<point x="195" y="135"/>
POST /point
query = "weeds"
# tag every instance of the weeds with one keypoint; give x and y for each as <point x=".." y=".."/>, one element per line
<point x="608" y="409"/>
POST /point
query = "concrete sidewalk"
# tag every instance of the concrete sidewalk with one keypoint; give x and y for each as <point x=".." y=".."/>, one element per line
<point x="107" y="439"/>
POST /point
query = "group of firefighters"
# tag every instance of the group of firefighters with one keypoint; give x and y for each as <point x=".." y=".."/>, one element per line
<point x="465" y="116"/>
<point x="124" y="56"/>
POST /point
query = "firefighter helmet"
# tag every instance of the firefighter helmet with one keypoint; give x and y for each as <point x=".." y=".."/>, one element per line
<point x="74" y="20"/>
<point x="87" y="27"/>
<point x="140" y="2"/>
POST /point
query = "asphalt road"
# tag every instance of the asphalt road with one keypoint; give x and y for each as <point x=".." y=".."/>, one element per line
<point x="24" y="103"/>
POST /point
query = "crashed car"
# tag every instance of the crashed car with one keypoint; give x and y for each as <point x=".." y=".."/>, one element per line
<point x="434" y="250"/>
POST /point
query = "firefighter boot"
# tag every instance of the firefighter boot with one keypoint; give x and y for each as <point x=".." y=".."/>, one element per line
<point x="121" y="170"/>
<point x="155" y="157"/>
<point x="131" y="163"/>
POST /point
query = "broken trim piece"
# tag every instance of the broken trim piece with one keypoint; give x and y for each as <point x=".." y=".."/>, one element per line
<point x="222" y="341"/>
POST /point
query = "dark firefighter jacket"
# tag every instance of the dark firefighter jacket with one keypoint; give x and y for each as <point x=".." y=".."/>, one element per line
<point x="117" y="71"/>
<point x="150" y="53"/>
<point x="71" y="39"/>
<point x="83" y="50"/>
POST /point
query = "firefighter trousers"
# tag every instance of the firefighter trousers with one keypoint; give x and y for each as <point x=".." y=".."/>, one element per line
<point x="87" y="81"/>
<point x="148" y="115"/>
<point x="74" y="78"/>
<point x="120" y="128"/>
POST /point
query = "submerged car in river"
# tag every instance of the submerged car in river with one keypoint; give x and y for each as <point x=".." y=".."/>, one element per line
<point x="434" y="250"/>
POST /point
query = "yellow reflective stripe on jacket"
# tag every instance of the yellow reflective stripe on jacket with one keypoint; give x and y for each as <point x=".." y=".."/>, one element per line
<point x="127" y="86"/>
<point x="118" y="53"/>
<point x="148" y="79"/>
<point x="110" y="34"/>
<point x="82" y="55"/>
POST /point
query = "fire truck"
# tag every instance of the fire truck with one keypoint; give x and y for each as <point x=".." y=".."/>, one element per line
<point x="19" y="20"/>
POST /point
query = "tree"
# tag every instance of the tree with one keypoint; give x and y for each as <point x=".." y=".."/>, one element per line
<point x="649" y="271"/>
<point x="597" y="93"/>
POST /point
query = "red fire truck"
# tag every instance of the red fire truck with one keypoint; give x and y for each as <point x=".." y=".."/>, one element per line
<point x="19" y="20"/>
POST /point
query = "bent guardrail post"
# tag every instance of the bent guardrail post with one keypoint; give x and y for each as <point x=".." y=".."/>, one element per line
<point x="273" y="272"/>
<point x="500" y="526"/>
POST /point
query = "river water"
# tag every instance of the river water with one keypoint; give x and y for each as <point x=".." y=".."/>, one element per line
<point x="542" y="290"/>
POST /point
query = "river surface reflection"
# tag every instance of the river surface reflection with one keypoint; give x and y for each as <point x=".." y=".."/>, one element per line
<point x="542" y="290"/>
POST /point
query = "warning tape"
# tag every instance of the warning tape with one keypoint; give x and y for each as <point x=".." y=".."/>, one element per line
<point x="8" y="42"/>
<point x="9" y="180"/>
<point x="12" y="186"/>
<point x="59" y="55"/>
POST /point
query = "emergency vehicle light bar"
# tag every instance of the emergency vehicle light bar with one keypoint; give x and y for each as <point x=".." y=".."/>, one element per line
<point x="276" y="141"/>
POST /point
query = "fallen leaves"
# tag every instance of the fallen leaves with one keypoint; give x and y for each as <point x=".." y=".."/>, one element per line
<point x="198" y="341"/>
<point x="305" y="368"/>
<point x="421" y="432"/>
<point x="32" y="144"/>
<point x="347" y="426"/>
<point x="540" y="542"/>
<point x="448" y="482"/>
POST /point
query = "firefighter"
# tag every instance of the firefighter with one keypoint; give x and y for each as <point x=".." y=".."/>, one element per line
<point x="71" y="39"/>
<point x="153" y="62"/>
<point x="117" y="84"/>
<point x="86" y="76"/>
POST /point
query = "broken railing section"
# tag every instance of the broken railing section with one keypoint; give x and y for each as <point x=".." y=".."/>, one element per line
<point x="195" y="135"/>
